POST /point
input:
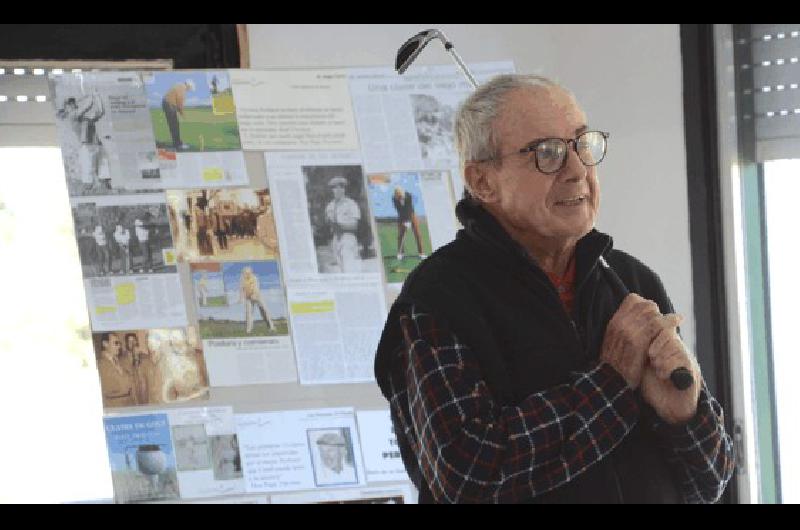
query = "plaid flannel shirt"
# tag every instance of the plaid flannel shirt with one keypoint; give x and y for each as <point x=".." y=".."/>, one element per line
<point x="470" y="449"/>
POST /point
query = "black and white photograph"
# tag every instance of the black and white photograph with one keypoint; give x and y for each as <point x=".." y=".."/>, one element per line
<point x="434" y="117"/>
<point x="123" y="239"/>
<point x="226" y="457"/>
<point x="104" y="130"/>
<point x="192" y="451"/>
<point x="332" y="456"/>
<point x="84" y="131"/>
<point x="338" y="209"/>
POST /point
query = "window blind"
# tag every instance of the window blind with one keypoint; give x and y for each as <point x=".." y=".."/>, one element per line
<point x="774" y="69"/>
<point x="26" y="112"/>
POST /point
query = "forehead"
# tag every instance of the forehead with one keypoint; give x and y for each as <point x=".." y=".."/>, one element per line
<point x="537" y="112"/>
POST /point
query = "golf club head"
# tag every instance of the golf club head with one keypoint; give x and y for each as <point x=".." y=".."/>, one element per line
<point x="409" y="51"/>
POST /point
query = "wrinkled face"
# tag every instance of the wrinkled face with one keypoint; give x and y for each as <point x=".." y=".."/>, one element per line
<point x="332" y="456"/>
<point x="530" y="204"/>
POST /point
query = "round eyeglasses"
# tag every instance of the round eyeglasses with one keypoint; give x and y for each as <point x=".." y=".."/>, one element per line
<point x="550" y="154"/>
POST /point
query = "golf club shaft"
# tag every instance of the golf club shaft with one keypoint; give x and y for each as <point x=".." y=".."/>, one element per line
<point x="449" y="47"/>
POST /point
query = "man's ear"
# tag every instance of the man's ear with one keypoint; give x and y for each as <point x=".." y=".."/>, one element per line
<point x="480" y="181"/>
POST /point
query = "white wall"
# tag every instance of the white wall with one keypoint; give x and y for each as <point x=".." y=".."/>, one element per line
<point x="627" y="78"/>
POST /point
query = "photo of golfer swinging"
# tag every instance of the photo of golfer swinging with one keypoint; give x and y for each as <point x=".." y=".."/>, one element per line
<point x="239" y="299"/>
<point x="192" y="112"/>
<point x="84" y="131"/>
<point x="399" y="211"/>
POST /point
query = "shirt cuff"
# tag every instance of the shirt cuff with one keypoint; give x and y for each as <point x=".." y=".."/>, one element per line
<point x="686" y="436"/>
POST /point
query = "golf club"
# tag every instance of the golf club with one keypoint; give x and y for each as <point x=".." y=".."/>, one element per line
<point x="681" y="377"/>
<point x="409" y="51"/>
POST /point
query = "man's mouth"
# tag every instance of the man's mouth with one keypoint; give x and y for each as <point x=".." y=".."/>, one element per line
<point x="572" y="201"/>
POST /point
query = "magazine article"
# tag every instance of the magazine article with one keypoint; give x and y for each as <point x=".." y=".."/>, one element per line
<point x="193" y="118"/>
<point x="142" y="457"/>
<point x="300" y="450"/>
<point x="294" y="109"/>
<point x="104" y="129"/>
<point x="330" y="261"/>
<point x="244" y="322"/>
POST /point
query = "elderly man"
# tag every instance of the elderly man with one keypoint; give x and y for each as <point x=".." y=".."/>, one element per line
<point x="343" y="215"/>
<point x="172" y="105"/>
<point x="335" y="467"/>
<point x="515" y="370"/>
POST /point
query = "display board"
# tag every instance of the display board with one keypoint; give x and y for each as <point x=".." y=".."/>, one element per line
<point x="242" y="234"/>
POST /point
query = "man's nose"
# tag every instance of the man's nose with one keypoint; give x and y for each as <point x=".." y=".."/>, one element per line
<point x="574" y="169"/>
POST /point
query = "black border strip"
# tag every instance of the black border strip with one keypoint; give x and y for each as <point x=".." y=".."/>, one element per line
<point x="190" y="46"/>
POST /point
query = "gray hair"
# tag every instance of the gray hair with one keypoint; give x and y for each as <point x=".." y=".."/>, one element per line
<point x="474" y="126"/>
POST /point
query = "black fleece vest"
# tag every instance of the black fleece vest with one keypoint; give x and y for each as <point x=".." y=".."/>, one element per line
<point x="500" y="303"/>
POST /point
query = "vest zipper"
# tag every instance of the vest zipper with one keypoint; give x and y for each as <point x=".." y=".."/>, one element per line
<point x="575" y="332"/>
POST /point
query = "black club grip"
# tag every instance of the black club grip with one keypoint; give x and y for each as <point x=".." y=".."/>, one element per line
<point x="681" y="378"/>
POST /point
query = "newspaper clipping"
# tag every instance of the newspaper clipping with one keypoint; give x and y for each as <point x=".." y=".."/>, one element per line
<point x="336" y="330"/>
<point x="379" y="443"/>
<point x="194" y="123"/>
<point x="104" y="130"/>
<point x="128" y="262"/>
<point x="133" y="302"/>
<point x="244" y="322"/>
<point x="300" y="450"/>
<point x="207" y="455"/>
<point x="294" y="109"/>
<point x="330" y="261"/>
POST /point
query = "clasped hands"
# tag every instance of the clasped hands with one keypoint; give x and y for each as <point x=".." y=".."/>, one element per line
<point x="643" y="345"/>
